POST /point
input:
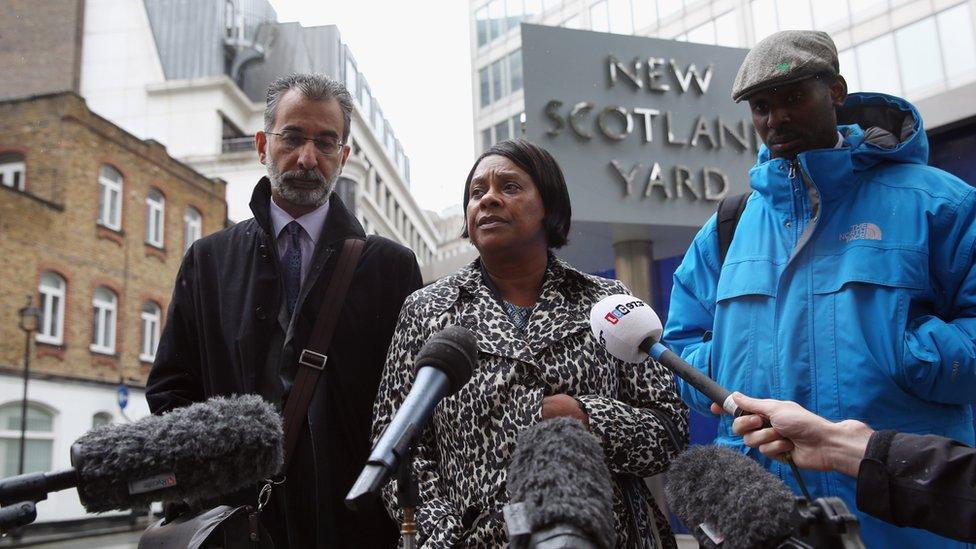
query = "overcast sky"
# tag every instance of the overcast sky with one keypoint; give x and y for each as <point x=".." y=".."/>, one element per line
<point x="416" y="57"/>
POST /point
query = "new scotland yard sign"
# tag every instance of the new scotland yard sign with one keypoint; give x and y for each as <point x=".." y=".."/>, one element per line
<point x="643" y="128"/>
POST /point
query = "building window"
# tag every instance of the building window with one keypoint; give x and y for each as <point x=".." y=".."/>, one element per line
<point x="481" y="24"/>
<point x="918" y="48"/>
<point x="702" y="34"/>
<point x="599" y="18"/>
<point x="793" y="15"/>
<point x="848" y="68"/>
<point x="828" y="14"/>
<point x="621" y="21"/>
<point x="377" y="117"/>
<point x="484" y="81"/>
<point x="365" y="98"/>
<point x="12" y="170"/>
<point x="52" y="290"/>
<point x="645" y="13"/>
<point x="763" y="18"/>
<point x="104" y="313"/>
<point x="101" y="418"/>
<point x="515" y="71"/>
<point x="877" y="67"/>
<point x="572" y="22"/>
<point x="390" y="141"/>
<point x="496" y="18"/>
<point x="192" y="227"/>
<point x="498" y="80"/>
<point x="486" y="139"/>
<point x="668" y="8"/>
<point x="501" y="131"/>
<point x="958" y="44"/>
<point x="110" y="198"/>
<point x="150" y="318"/>
<point x="351" y="75"/>
<point x="155" y="217"/>
<point x="517" y="125"/>
<point x="38" y="450"/>
<point x="727" y="30"/>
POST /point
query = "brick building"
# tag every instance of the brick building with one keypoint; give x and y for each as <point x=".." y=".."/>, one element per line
<point x="93" y="224"/>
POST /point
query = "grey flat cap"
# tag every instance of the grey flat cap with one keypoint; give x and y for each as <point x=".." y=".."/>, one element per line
<point x="784" y="58"/>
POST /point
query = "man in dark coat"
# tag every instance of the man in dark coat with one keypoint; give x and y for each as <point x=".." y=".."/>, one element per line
<point x="246" y="299"/>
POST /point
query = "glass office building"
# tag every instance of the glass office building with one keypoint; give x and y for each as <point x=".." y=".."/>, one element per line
<point x="924" y="51"/>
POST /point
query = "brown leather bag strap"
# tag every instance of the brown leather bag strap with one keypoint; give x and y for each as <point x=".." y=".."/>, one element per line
<point x="312" y="359"/>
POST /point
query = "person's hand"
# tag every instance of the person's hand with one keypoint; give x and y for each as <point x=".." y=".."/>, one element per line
<point x="815" y="443"/>
<point x="563" y="406"/>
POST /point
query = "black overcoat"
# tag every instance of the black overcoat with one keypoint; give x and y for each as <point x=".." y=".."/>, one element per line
<point x="222" y="330"/>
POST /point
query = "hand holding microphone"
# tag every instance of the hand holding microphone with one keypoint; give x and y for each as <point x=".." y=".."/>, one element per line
<point x="812" y="441"/>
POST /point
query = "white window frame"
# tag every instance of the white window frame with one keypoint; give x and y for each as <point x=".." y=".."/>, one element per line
<point x="100" y="419"/>
<point x="192" y="227"/>
<point x="51" y="328"/>
<point x="104" y="322"/>
<point x="110" y="198"/>
<point x="13" y="435"/>
<point x="13" y="172"/>
<point x="150" y="322"/>
<point x="155" y="218"/>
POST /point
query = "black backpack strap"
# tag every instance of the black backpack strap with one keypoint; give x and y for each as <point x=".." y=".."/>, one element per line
<point x="730" y="210"/>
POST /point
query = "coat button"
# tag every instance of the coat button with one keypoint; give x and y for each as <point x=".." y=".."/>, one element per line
<point x="259" y="313"/>
<point x="264" y="252"/>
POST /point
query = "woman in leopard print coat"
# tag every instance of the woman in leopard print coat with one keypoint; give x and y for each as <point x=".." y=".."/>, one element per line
<point x="537" y="360"/>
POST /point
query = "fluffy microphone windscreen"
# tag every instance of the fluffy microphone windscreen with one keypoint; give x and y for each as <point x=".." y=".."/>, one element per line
<point x="621" y="322"/>
<point x="454" y="351"/>
<point x="558" y="469"/>
<point x="188" y="454"/>
<point x="731" y="493"/>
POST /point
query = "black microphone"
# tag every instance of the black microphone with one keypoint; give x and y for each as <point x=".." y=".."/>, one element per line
<point x="730" y="501"/>
<point x="192" y="453"/>
<point x="444" y="365"/>
<point x="560" y="489"/>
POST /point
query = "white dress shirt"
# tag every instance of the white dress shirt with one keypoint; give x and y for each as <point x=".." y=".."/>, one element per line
<point x="311" y="223"/>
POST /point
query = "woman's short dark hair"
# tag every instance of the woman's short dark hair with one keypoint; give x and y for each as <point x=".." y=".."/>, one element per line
<point x="548" y="178"/>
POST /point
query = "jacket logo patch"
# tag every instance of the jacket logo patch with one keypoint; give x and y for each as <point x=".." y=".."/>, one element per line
<point x="862" y="231"/>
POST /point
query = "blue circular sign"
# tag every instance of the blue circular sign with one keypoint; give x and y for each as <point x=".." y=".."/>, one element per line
<point x="123" y="396"/>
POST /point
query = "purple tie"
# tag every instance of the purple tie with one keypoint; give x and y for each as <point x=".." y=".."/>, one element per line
<point x="291" y="265"/>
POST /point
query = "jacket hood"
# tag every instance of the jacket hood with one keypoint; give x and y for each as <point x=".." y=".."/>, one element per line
<point x="877" y="128"/>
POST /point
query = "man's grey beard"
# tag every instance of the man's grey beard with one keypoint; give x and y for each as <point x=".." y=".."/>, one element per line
<point x="302" y="197"/>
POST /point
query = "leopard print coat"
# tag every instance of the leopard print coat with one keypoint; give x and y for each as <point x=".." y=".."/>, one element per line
<point x="462" y="456"/>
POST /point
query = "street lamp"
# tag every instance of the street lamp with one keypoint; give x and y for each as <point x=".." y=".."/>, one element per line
<point x="29" y="320"/>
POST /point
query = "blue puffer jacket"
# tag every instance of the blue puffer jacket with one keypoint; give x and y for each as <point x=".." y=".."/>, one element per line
<point x="865" y="309"/>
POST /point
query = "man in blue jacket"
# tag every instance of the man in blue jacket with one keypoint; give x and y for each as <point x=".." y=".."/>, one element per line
<point x="849" y="286"/>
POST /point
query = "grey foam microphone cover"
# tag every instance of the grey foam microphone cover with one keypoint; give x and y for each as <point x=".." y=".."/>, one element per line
<point x="558" y="468"/>
<point x="188" y="454"/>
<point x="731" y="493"/>
<point x="454" y="351"/>
<point x="621" y="322"/>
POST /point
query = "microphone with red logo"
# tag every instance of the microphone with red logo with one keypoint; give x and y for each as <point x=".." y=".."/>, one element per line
<point x="631" y="330"/>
